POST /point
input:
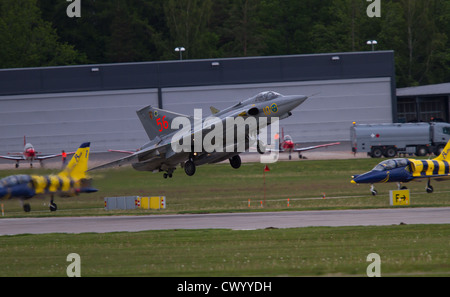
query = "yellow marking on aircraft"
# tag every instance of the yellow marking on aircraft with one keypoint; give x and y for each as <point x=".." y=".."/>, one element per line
<point x="430" y="167"/>
<point x="54" y="184"/>
<point x="386" y="179"/>
<point x="40" y="183"/>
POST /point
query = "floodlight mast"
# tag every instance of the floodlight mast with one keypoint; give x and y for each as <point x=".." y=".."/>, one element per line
<point x="180" y="49"/>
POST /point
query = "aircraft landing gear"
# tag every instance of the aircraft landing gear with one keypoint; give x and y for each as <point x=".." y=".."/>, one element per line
<point x="189" y="167"/>
<point x="235" y="161"/>
<point x="53" y="206"/>
<point x="261" y="147"/>
<point x="429" y="187"/>
<point x="372" y="190"/>
<point x="168" y="173"/>
<point x="26" y="207"/>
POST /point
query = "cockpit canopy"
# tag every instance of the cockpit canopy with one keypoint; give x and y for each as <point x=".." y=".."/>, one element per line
<point x="391" y="164"/>
<point x="266" y="96"/>
<point x="13" y="180"/>
<point x="262" y="97"/>
<point x="287" y="138"/>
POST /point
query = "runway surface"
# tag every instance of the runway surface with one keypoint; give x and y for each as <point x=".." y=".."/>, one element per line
<point x="236" y="221"/>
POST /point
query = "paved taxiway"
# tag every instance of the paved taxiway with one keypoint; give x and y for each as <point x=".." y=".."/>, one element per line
<point x="236" y="221"/>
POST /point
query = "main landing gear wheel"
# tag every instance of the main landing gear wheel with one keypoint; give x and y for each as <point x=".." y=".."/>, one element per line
<point x="235" y="161"/>
<point x="429" y="187"/>
<point x="260" y="147"/>
<point x="53" y="206"/>
<point x="167" y="175"/>
<point x="26" y="207"/>
<point x="189" y="168"/>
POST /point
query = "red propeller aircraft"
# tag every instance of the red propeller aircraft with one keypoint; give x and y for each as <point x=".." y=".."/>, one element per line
<point x="28" y="154"/>
<point x="289" y="145"/>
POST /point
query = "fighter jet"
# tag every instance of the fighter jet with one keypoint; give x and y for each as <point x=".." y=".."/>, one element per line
<point x="403" y="170"/>
<point x="190" y="141"/>
<point x="28" y="154"/>
<point x="69" y="182"/>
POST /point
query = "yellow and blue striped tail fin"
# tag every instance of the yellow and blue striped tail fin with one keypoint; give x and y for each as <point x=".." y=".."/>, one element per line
<point x="78" y="165"/>
<point x="444" y="156"/>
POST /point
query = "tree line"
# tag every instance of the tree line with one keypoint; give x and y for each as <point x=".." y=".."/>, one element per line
<point x="36" y="33"/>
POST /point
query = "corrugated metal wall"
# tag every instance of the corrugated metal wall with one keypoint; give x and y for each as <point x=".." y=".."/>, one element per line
<point x="108" y="119"/>
<point x="326" y="116"/>
<point x="60" y="107"/>
<point x="53" y="122"/>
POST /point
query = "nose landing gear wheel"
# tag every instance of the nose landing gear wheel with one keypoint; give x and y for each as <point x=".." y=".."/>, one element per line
<point x="26" y="207"/>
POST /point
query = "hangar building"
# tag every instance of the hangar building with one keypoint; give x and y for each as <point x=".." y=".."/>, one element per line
<point x="424" y="103"/>
<point x="61" y="107"/>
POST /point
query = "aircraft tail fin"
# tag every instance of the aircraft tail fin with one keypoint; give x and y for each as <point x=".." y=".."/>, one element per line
<point x="214" y="110"/>
<point x="157" y="122"/>
<point x="78" y="165"/>
<point x="444" y="156"/>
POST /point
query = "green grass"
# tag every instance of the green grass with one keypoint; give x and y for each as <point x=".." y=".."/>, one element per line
<point x="218" y="188"/>
<point x="405" y="250"/>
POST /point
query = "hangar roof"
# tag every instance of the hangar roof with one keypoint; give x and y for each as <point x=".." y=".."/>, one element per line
<point x="207" y="72"/>
<point x="429" y="90"/>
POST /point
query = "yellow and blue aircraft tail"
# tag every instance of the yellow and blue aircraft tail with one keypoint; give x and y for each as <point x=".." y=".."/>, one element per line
<point x="78" y="165"/>
<point x="444" y="156"/>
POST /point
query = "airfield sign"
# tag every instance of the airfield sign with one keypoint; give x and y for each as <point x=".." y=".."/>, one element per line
<point x="399" y="197"/>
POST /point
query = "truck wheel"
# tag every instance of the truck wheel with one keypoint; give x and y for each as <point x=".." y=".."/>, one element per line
<point x="390" y="152"/>
<point x="376" y="152"/>
<point x="421" y="151"/>
<point x="438" y="150"/>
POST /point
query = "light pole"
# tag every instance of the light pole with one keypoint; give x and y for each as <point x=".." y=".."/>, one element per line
<point x="181" y="50"/>
<point x="372" y="43"/>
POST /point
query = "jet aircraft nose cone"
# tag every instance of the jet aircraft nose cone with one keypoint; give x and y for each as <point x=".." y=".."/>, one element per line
<point x="294" y="100"/>
<point x="299" y="98"/>
<point x="370" y="177"/>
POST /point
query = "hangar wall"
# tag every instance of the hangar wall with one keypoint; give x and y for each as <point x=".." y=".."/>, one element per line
<point x="62" y="121"/>
<point x="60" y="107"/>
<point x="326" y="116"/>
<point x="108" y="118"/>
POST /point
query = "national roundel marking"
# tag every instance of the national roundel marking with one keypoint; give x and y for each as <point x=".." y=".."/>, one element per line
<point x="274" y="107"/>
